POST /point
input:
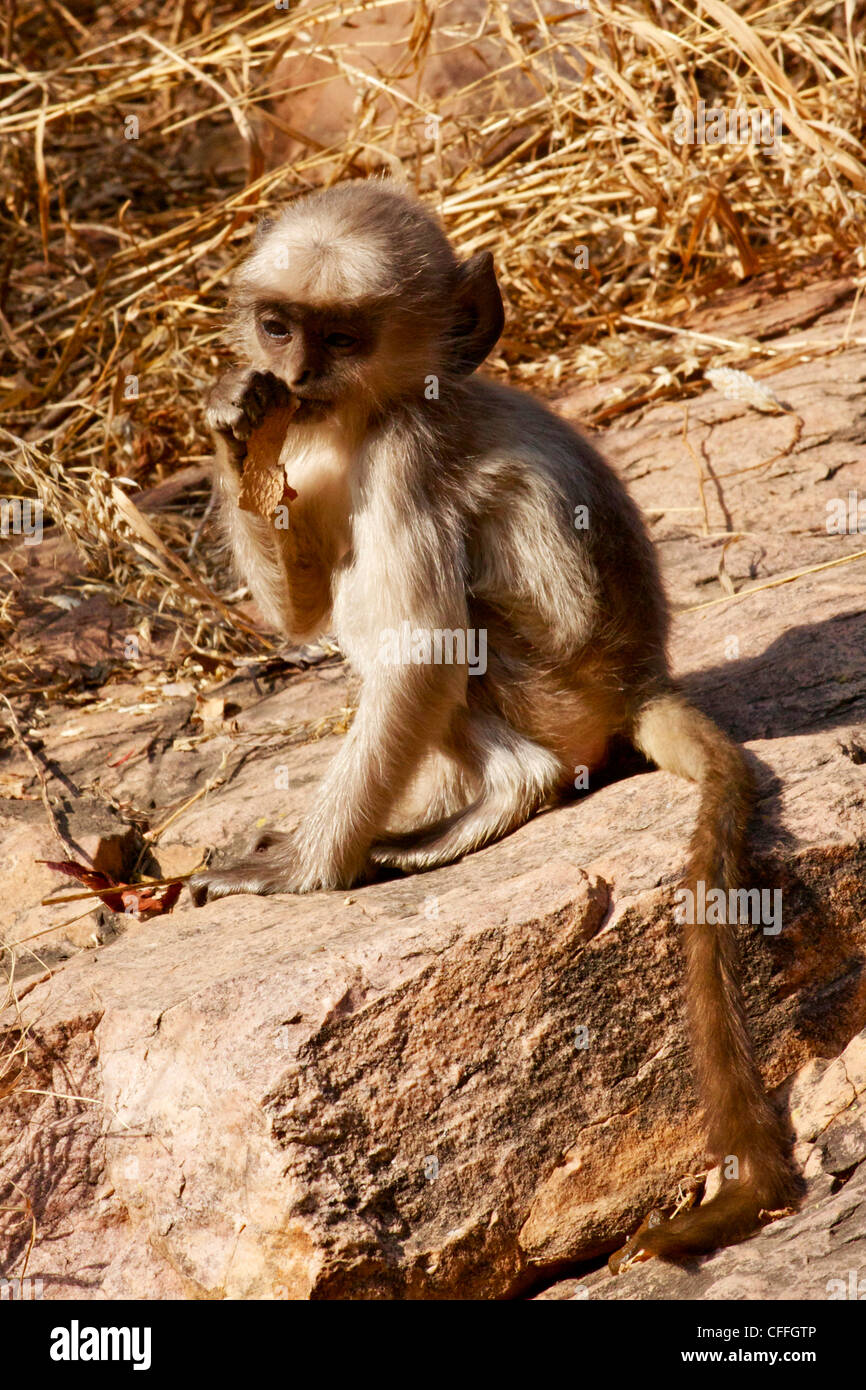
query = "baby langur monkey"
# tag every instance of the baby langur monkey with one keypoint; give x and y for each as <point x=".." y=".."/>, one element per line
<point x="432" y="497"/>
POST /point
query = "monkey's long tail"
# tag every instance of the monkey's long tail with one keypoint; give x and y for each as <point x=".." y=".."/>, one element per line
<point x="741" y="1121"/>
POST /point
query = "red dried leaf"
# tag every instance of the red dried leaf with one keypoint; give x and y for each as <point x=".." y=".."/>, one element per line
<point x="98" y="882"/>
<point x="150" y="901"/>
<point x="144" y="900"/>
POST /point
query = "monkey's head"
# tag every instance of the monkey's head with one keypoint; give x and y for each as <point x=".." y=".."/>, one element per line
<point x="354" y="293"/>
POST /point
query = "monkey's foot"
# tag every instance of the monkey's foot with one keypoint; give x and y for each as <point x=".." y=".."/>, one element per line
<point x="246" y="876"/>
<point x="276" y="865"/>
<point x="252" y="876"/>
<point x="270" y="868"/>
<point x="239" y="402"/>
<point x="427" y="847"/>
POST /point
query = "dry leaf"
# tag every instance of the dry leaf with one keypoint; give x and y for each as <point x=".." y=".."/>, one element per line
<point x="140" y="899"/>
<point x="210" y="709"/>
<point x="264" y="484"/>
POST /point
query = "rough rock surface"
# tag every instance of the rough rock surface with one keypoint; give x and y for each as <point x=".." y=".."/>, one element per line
<point x="461" y="1083"/>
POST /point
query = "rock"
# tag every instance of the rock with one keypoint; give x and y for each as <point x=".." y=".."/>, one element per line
<point x="818" y="1094"/>
<point x="461" y="1084"/>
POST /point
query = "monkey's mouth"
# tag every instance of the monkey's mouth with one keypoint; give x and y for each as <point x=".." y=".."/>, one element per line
<point x="312" y="407"/>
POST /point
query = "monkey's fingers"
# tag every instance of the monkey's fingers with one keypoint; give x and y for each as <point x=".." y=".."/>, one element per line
<point x="241" y="399"/>
<point x="252" y="408"/>
<point x="270" y="392"/>
<point x="263" y="394"/>
<point x="257" y="874"/>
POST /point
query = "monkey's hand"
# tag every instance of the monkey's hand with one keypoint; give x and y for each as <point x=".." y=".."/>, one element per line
<point x="239" y="402"/>
<point x="274" y="866"/>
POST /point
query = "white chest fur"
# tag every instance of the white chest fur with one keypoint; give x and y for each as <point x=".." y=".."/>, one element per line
<point x="318" y="458"/>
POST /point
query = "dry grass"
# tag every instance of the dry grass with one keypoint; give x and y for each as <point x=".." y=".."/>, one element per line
<point x="13" y="1036"/>
<point x="115" y="250"/>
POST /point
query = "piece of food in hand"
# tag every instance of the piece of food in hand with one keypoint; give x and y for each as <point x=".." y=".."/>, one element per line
<point x="264" y="485"/>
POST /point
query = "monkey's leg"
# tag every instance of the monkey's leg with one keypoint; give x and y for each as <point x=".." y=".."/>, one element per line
<point x="517" y="778"/>
<point x="449" y="789"/>
<point x="370" y="772"/>
<point x="448" y="784"/>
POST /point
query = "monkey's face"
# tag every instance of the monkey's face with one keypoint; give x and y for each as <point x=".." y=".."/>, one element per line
<point x="365" y="354"/>
<point x="322" y="353"/>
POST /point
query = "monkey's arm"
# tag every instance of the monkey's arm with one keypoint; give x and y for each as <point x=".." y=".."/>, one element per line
<point x="308" y="549"/>
<point x="288" y="560"/>
<point x="385" y="587"/>
<point x="288" y="566"/>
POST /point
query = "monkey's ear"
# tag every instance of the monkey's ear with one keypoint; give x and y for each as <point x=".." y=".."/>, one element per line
<point x="478" y="313"/>
<point x="263" y="226"/>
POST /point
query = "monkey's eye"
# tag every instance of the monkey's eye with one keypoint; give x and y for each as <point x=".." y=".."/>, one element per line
<point x="275" y="328"/>
<point x="344" y="341"/>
